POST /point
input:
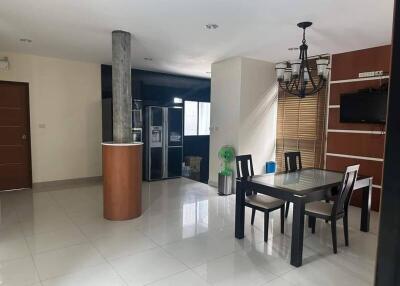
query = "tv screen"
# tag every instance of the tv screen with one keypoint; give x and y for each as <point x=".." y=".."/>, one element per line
<point x="363" y="107"/>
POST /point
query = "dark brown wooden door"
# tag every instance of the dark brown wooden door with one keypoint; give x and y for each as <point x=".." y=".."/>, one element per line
<point x="15" y="154"/>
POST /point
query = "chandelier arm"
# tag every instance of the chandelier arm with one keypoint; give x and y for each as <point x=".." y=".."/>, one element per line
<point x="281" y="85"/>
<point x="316" y="90"/>
<point x="300" y="94"/>
<point x="285" y="87"/>
<point x="293" y="84"/>
<point x="309" y="71"/>
<point x="293" y="93"/>
<point x="296" y="82"/>
<point x="303" y="56"/>
<point x="289" y="91"/>
<point x="300" y="84"/>
<point x="312" y="81"/>
<point x="321" y="82"/>
<point x="313" y="91"/>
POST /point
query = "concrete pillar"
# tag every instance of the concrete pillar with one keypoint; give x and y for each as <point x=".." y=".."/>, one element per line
<point x="122" y="160"/>
<point x="121" y="82"/>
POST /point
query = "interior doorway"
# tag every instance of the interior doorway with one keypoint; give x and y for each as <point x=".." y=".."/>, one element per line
<point x="15" y="143"/>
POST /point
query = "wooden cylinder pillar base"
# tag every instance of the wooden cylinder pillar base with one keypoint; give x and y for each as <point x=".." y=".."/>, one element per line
<point x="122" y="180"/>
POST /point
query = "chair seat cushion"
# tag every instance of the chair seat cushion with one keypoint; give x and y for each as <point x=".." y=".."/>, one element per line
<point x="320" y="208"/>
<point x="264" y="201"/>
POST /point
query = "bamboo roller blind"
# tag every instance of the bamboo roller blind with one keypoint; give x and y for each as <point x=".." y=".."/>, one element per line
<point x="301" y="125"/>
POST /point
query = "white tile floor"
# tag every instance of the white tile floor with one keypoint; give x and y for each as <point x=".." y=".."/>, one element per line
<point x="184" y="237"/>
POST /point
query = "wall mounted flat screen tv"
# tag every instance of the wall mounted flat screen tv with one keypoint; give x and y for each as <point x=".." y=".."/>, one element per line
<point x="363" y="107"/>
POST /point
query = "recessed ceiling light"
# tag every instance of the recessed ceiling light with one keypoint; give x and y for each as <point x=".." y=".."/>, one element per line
<point x="293" y="49"/>
<point x="25" y="40"/>
<point x="148" y="59"/>
<point x="211" y="26"/>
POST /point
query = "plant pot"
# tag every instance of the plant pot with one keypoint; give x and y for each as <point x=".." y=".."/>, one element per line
<point x="225" y="184"/>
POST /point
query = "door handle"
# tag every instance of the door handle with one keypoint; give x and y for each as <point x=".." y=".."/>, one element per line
<point x="23" y="136"/>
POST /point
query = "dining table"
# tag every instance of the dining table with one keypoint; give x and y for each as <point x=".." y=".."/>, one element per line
<point x="299" y="187"/>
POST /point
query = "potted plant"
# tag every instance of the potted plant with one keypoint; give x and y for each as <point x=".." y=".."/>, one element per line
<point x="225" y="176"/>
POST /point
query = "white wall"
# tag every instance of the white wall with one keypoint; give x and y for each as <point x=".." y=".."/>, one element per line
<point x="258" y="111"/>
<point x="225" y="110"/>
<point x="243" y="111"/>
<point x="65" y="97"/>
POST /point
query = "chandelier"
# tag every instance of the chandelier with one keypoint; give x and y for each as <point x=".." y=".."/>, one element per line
<point x="295" y="76"/>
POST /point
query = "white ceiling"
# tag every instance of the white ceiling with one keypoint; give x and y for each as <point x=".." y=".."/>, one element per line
<point x="172" y="32"/>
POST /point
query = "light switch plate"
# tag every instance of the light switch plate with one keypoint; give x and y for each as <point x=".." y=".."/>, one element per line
<point x="4" y="64"/>
<point x="370" y="74"/>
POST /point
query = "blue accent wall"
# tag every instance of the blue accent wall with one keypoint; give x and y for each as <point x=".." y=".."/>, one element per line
<point x="159" y="89"/>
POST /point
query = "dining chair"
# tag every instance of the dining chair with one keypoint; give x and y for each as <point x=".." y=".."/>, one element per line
<point x="259" y="202"/>
<point x="337" y="210"/>
<point x="292" y="164"/>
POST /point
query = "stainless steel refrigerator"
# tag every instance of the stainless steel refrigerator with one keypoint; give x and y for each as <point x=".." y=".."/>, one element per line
<point x="163" y="142"/>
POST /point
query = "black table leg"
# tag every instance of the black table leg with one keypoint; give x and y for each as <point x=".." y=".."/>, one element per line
<point x="239" y="210"/>
<point x="366" y="207"/>
<point x="296" y="255"/>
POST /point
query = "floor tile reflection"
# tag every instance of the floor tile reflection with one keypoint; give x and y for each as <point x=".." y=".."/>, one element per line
<point x="185" y="236"/>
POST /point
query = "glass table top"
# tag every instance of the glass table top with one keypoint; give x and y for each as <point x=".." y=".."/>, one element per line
<point x="300" y="181"/>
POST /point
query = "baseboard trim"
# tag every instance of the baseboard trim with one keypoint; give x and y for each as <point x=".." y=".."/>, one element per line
<point x="69" y="183"/>
<point x="213" y="183"/>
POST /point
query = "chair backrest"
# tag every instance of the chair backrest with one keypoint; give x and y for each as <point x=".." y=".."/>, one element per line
<point x="292" y="161"/>
<point x="244" y="166"/>
<point x="345" y="189"/>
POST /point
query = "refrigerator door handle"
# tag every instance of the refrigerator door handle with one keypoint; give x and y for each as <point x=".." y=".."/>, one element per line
<point x="165" y="142"/>
<point x="148" y="149"/>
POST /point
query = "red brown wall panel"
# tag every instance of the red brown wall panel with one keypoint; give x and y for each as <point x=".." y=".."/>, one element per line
<point x="356" y="144"/>
<point x="345" y="69"/>
<point x="349" y="65"/>
<point x="367" y="167"/>
<point x="376" y="197"/>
